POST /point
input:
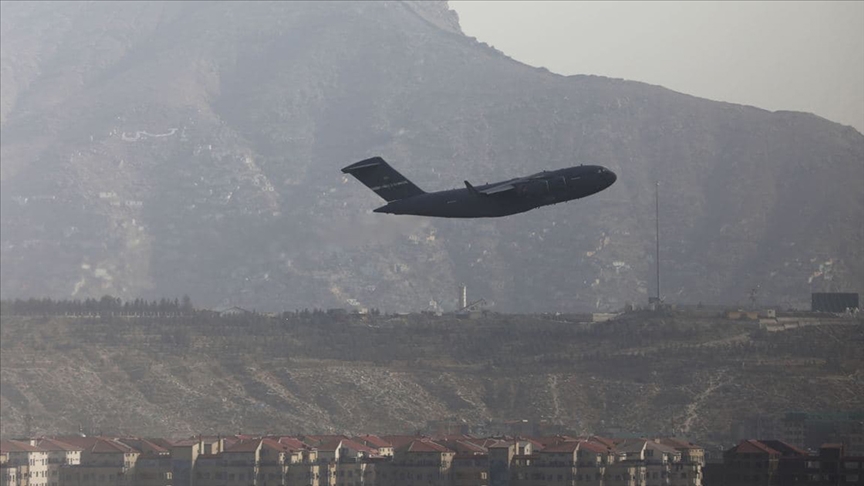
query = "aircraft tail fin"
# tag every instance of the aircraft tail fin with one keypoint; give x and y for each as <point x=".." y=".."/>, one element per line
<point x="386" y="181"/>
<point x="471" y="188"/>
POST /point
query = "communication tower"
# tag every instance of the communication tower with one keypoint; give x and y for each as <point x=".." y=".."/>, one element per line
<point x="658" y="299"/>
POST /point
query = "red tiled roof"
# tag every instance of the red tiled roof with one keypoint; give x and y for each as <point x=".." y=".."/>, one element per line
<point x="594" y="447"/>
<point x="451" y="437"/>
<point x="18" y="446"/>
<point x="293" y="443"/>
<point x="108" y="446"/>
<point x="535" y="442"/>
<point x="553" y="440"/>
<point x="185" y="443"/>
<point x="501" y="444"/>
<point x="97" y="445"/>
<point x="320" y="439"/>
<point x="425" y="445"/>
<point x="484" y="443"/>
<point x="753" y="446"/>
<point x="373" y="440"/>
<point x="247" y="445"/>
<point x="330" y="445"/>
<point x="569" y="446"/>
<point x="784" y="448"/>
<point x="163" y="443"/>
<point x="462" y="446"/>
<point x="57" y="445"/>
<point x="678" y="443"/>
<point x="400" y="440"/>
<point x="602" y="440"/>
<point x="661" y="447"/>
<point x="77" y="440"/>
<point x="144" y="446"/>
<point x="358" y="446"/>
<point x="631" y="445"/>
<point x="274" y="445"/>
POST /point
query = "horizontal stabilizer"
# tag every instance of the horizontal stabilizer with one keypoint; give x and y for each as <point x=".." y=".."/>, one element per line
<point x="386" y="181"/>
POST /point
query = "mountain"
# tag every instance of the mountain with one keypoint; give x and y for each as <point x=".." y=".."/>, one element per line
<point x="169" y="148"/>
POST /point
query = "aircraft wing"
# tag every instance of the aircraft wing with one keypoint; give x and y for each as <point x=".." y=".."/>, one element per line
<point x="496" y="189"/>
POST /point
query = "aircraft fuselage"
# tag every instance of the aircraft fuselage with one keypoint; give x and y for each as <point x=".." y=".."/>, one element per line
<point x="490" y="200"/>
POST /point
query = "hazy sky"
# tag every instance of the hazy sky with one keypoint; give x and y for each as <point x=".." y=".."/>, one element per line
<point x="802" y="56"/>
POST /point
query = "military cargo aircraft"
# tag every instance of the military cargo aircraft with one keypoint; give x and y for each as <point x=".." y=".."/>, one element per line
<point x="487" y="201"/>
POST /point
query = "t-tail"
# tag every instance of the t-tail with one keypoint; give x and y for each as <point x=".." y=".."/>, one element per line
<point x="388" y="183"/>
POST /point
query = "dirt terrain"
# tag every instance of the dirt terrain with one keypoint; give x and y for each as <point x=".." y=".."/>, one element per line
<point x="314" y="372"/>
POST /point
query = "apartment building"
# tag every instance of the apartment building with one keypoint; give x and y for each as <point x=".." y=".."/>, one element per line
<point x="30" y="463"/>
<point x="777" y="463"/>
<point x="382" y="447"/>
<point x="811" y="430"/>
<point x="104" y="462"/>
<point x="470" y="463"/>
<point x="8" y="475"/>
<point x="60" y="454"/>
<point x="302" y="460"/>
<point x="690" y="452"/>
<point x="420" y="462"/>
<point x="852" y="471"/>
<point x="153" y="467"/>
<point x="592" y="461"/>
<point x="456" y="460"/>
<point x="240" y="462"/>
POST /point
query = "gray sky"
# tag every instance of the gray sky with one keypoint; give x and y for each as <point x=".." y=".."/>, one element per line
<point x="802" y="56"/>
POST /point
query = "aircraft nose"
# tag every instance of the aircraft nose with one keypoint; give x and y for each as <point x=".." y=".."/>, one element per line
<point x="610" y="177"/>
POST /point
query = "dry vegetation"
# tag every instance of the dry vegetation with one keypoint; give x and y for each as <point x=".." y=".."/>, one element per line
<point x="319" y="373"/>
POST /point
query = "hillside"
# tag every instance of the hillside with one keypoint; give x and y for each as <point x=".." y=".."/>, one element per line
<point x="649" y="373"/>
<point x="165" y="148"/>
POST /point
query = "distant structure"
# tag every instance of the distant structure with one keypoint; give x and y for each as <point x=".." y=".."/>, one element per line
<point x="754" y="296"/>
<point x="657" y="300"/>
<point x="834" y="302"/>
<point x="468" y="309"/>
<point x="231" y="311"/>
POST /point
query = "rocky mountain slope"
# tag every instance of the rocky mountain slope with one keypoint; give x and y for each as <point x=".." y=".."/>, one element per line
<point x="154" y="149"/>
<point x="642" y="373"/>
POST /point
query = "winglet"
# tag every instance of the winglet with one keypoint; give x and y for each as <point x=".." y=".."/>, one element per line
<point x="471" y="189"/>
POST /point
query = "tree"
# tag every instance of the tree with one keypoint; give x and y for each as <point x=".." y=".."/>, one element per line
<point x="186" y="304"/>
